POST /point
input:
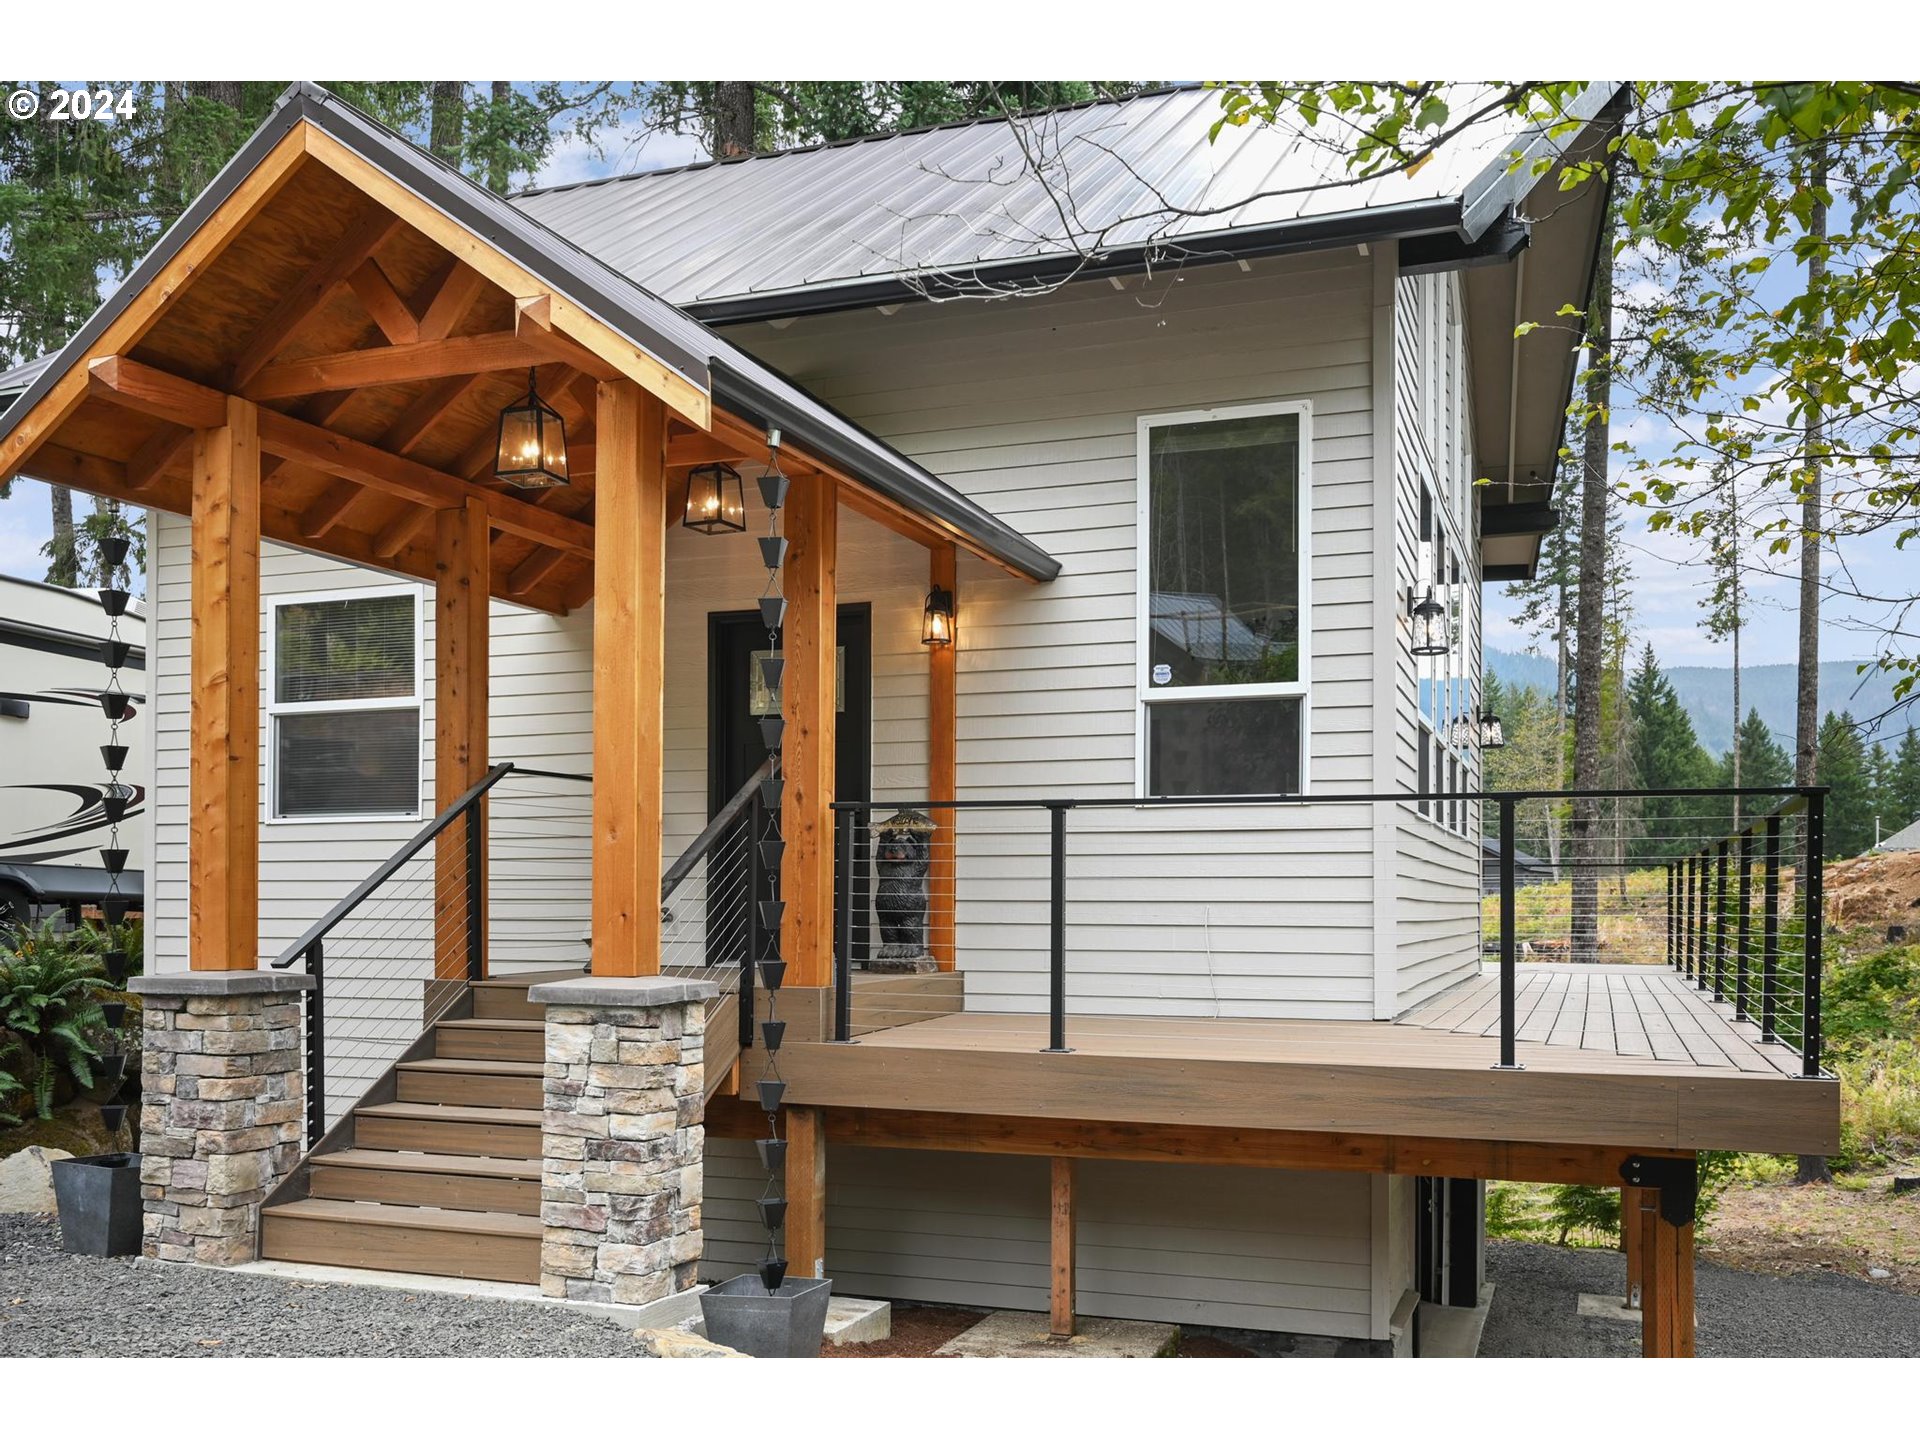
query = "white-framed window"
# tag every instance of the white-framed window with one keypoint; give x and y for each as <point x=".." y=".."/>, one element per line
<point x="1224" y="625"/>
<point x="1445" y="681"/>
<point x="343" y="686"/>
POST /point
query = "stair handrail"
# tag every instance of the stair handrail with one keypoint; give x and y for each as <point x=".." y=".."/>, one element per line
<point x="390" y="867"/>
<point x="716" y="827"/>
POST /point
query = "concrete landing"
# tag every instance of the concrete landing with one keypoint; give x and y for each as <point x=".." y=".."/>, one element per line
<point x="1022" y="1335"/>
<point x="1452" y="1332"/>
<point x="858" y="1322"/>
<point x="1608" y="1307"/>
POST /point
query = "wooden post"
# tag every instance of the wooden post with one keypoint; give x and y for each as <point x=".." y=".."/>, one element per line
<point x="806" y="1188"/>
<point x="942" y="765"/>
<point x="224" y="771"/>
<point x="1062" y="1247"/>
<point x="1630" y="1241"/>
<point x="1666" y="1294"/>
<point x="629" y="636"/>
<point x="462" y="573"/>
<point x="810" y="642"/>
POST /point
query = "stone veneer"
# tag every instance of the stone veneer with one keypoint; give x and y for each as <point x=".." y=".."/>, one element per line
<point x="222" y="1107"/>
<point x="622" y="1142"/>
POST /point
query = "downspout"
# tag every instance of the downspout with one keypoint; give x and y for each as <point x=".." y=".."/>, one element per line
<point x="1513" y="372"/>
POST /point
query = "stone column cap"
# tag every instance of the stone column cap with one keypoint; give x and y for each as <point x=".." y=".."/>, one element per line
<point x="220" y="982"/>
<point x="631" y="992"/>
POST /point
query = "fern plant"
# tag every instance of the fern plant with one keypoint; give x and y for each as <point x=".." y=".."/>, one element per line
<point x="49" y="1002"/>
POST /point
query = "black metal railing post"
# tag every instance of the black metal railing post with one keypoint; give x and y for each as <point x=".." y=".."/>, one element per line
<point x="1688" y="949"/>
<point x="1507" y="938"/>
<point x="316" y="1044"/>
<point x="1743" y="925"/>
<point x="1770" y="933"/>
<point x="1706" y="931"/>
<point x="1815" y="886"/>
<point x="1720" y="921"/>
<point x="843" y="949"/>
<point x="1673" y="948"/>
<point x="1057" y="932"/>
<point x="476" y="892"/>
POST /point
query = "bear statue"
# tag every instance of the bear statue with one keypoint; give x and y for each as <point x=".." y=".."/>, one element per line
<point x="902" y="854"/>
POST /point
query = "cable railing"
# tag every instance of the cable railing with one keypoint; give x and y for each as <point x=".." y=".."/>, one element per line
<point x="1095" y="912"/>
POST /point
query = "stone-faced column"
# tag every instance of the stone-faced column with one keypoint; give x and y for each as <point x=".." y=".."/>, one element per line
<point x="223" y="1099"/>
<point x="622" y="1142"/>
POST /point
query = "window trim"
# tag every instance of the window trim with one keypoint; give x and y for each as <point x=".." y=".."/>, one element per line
<point x="273" y="709"/>
<point x="1145" y="694"/>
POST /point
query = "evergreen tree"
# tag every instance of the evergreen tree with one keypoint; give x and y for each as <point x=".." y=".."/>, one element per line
<point x="1902" y="805"/>
<point x="1764" y="761"/>
<point x="1666" y="755"/>
<point x="1843" y="768"/>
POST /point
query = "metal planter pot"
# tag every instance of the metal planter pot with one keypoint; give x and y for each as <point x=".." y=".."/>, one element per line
<point x="99" y="1201"/>
<point x="789" y="1324"/>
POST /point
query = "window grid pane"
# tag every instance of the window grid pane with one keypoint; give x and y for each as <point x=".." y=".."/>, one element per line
<point x="354" y="649"/>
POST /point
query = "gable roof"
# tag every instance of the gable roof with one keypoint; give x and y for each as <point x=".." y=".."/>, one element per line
<point x="963" y="208"/>
<point x="702" y="361"/>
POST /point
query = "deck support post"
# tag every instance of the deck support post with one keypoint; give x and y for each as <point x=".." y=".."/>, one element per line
<point x="1631" y="1237"/>
<point x="1661" y="1207"/>
<point x="224" y="771"/>
<point x="462" y="584"/>
<point x="810" y="644"/>
<point x="806" y="1191"/>
<point x="1062" y="1245"/>
<point x="629" y="639"/>
<point x="942" y="765"/>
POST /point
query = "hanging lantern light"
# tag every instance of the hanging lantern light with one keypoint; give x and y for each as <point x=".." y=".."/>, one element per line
<point x="1493" y="735"/>
<point x="1429" y="625"/>
<point x="1463" y="732"/>
<point x="715" y="501"/>
<point x="936" y="625"/>
<point x="532" y="454"/>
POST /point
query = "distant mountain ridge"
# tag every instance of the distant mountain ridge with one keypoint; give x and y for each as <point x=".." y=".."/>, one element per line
<point x="1707" y="693"/>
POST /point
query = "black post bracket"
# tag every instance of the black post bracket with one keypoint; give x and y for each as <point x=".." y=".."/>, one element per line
<point x="1676" y="1178"/>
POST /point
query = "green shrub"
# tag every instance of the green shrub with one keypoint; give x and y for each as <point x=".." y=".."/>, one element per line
<point x="1880" y="1100"/>
<point x="50" y="988"/>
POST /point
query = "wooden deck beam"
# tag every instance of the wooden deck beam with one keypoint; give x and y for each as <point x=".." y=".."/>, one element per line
<point x="1666" y="1270"/>
<point x="223" y="860"/>
<point x="809" y="642"/>
<point x="461" y="607"/>
<point x="1061" y="1247"/>
<point x="629" y="639"/>
<point x="806" y="1192"/>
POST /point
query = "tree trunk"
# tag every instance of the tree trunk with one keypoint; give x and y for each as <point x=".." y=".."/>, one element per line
<point x="1590" y="640"/>
<point x="445" y="120"/>
<point x="499" y="172"/>
<point x="1733" y="539"/>
<point x="1806" y="720"/>
<point x="63" y="550"/>
<point x="734" y="130"/>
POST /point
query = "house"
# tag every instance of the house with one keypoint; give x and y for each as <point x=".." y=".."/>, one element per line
<point x="1136" y="583"/>
<point x="1906" y="838"/>
<point x="1527" y="869"/>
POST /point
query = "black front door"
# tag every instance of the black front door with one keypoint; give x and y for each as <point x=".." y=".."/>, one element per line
<point x="735" y="748"/>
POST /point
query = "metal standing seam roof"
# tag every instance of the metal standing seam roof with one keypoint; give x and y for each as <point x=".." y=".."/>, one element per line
<point x="957" y="207"/>
<point x="737" y="381"/>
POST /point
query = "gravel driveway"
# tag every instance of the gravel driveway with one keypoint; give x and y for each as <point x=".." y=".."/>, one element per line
<point x="1736" y="1313"/>
<point x="52" y="1303"/>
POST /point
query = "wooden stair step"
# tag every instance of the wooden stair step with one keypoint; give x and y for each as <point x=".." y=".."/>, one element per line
<point x="513" y="1084"/>
<point x="490" y="1040"/>
<point x="505" y="998"/>
<point x="509" y="1185"/>
<point x="412" y="1239"/>
<point x="448" y="1129"/>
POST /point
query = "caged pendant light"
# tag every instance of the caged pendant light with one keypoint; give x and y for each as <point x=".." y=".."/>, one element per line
<point x="532" y="453"/>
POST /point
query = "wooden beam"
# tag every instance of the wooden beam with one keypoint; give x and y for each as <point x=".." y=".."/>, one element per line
<point x="366" y="235"/>
<point x="462" y="568"/>
<point x="197" y="252"/>
<point x="157" y="454"/>
<point x="407" y="430"/>
<point x="806" y="1192"/>
<point x="1631" y="1236"/>
<point x="330" y="509"/>
<point x="942" y="765"/>
<point x="685" y="450"/>
<point x="532" y="570"/>
<point x="398" y="533"/>
<point x="395" y="365"/>
<point x="686" y="397"/>
<point x="1666" y="1291"/>
<point x="629" y="639"/>
<point x="223" y="858"/>
<point x="383" y="303"/>
<point x="809" y="641"/>
<point x="533" y="323"/>
<point x="457" y="292"/>
<point x="148" y="391"/>
<point x="1461" y="1159"/>
<point x="1061" y="1248"/>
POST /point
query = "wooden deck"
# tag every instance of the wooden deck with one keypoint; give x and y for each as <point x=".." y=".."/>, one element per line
<point x="1629" y="1011"/>
<point x="1617" y="1055"/>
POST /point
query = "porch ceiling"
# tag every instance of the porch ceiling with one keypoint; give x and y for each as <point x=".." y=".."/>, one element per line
<point x="362" y="296"/>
